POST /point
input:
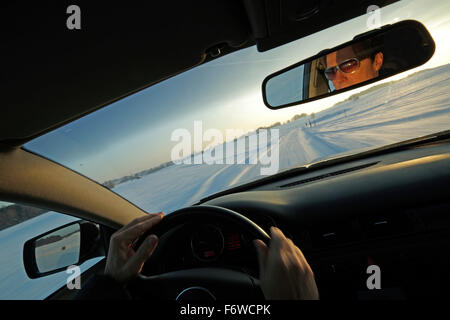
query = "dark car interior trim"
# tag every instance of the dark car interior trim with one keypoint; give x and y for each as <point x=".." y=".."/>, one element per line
<point x="393" y="213"/>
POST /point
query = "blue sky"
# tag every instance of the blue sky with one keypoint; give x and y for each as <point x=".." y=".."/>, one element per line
<point x="134" y="134"/>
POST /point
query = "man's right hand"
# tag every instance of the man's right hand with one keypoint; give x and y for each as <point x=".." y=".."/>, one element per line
<point x="123" y="263"/>
<point x="284" y="272"/>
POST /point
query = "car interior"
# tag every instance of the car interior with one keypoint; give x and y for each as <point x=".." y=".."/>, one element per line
<point x="387" y="206"/>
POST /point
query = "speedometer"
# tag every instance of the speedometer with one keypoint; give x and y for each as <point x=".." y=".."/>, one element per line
<point x="207" y="243"/>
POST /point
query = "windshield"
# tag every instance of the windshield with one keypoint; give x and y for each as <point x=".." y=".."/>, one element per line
<point x="207" y="129"/>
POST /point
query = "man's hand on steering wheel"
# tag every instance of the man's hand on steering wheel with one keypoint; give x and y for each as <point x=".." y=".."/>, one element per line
<point x="123" y="262"/>
<point x="284" y="272"/>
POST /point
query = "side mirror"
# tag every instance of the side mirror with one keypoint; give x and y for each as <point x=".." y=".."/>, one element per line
<point x="57" y="249"/>
<point x="368" y="58"/>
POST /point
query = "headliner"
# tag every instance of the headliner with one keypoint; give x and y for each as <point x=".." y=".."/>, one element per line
<point x="52" y="75"/>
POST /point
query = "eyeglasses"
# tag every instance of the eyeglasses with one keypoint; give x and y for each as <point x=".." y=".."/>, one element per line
<point x="348" y="66"/>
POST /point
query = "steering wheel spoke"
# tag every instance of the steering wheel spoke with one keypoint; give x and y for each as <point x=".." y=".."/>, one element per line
<point x="221" y="283"/>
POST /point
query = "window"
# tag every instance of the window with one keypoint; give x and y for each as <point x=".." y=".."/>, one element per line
<point x="18" y="224"/>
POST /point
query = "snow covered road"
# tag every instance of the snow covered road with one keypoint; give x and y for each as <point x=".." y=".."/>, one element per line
<point x="415" y="106"/>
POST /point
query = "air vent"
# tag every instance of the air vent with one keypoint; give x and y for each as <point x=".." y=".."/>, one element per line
<point x="327" y="175"/>
<point x="387" y="224"/>
<point x="338" y="233"/>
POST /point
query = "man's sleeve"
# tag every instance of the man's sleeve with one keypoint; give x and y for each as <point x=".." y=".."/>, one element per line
<point x="102" y="287"/>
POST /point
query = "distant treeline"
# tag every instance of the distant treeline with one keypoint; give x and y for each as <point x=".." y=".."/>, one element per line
<point x="53" y="238"/>
<point x="276" y="124"/>
<point x="15" y="214"/>
<point x="112" y="183"/>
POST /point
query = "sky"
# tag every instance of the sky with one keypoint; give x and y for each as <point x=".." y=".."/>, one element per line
<point x="134" y="133"/>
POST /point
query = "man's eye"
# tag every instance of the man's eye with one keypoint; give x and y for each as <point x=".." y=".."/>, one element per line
<point x="349" y="66"/>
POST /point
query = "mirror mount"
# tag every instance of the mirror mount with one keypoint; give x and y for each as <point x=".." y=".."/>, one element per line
<point x="371" y="32"/>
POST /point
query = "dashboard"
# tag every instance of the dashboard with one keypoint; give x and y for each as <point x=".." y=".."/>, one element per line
<point x="391" y="210"/>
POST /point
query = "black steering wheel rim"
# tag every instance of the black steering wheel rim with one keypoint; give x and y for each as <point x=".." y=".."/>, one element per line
<point x="219" y="281"/>
<point x="201" y="213"/>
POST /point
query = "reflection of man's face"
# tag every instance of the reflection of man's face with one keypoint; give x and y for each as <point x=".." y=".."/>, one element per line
<point x="368" y="67"/>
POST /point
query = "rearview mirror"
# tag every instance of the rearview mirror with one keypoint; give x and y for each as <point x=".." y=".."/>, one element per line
<point x="55" y="250"/>
<point x="368" y="58"/>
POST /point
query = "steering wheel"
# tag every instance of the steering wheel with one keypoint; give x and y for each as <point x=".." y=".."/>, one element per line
<point x="200" y="283"/>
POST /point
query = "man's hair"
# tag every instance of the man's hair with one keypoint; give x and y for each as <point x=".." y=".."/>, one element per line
<point x="367" y="48"/>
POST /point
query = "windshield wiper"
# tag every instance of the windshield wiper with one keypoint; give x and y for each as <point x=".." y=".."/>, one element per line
<point x="435" y="137"/>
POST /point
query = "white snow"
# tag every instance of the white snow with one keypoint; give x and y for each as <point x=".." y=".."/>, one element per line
<point x="409" y="108"/>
